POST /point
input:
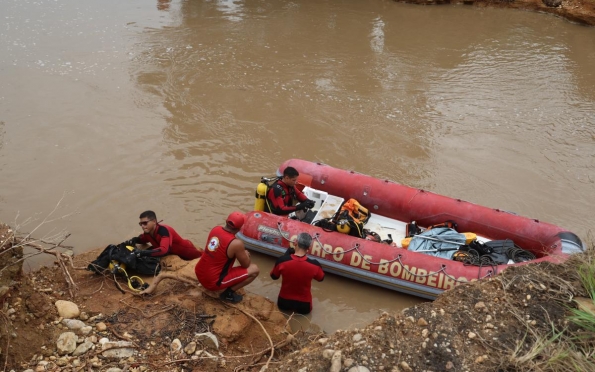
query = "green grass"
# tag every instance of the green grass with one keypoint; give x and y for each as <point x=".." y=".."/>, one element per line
<point x="571" y="348"/>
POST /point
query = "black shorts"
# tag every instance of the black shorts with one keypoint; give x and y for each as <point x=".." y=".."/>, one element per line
<point x="294" y="306"/>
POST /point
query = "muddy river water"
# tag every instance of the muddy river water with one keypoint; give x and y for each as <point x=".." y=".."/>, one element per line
<point x="109" y="108"/>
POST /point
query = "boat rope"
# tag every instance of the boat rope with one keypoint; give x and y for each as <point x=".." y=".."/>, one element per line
<point x="279" y="224"/>
<point x="398" y="258"/>
<point x="356" y="248"/>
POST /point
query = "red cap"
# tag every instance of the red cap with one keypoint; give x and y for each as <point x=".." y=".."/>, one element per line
<point x="235" y="220"/>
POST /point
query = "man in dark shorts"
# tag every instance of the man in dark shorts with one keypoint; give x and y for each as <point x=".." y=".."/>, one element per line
<point x="215" y="269"/>
<point x="283" y="194"/>
<point x="297" y="271"/>
<point x="164" y="240"/>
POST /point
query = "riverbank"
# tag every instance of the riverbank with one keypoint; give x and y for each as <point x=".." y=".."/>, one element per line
<point x="515" y="321"/>
<point x="577" y="11"/>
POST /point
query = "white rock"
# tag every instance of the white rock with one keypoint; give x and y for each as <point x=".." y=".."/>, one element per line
<point x="357" y="337"/>
<point x="118" y="353"/>
<point x="336" y="362"/>
<point x="115" y="344"/>
<point x="86" y="330"/>
<point x="67" y="309"/>
<point x="328" y="353"/>
<point x="190" y="348"/>
<point x="176" y="345"/>
<point x="208" y="339"/>
<point x="66" y="343"/>
<point x="82" y="348"/>
<point x="73" y="324"/>
<point x="94" y="318"/>
<point x="405" y="366"/>
<point x="359" y="369"/>
<point x="322" y="341"/>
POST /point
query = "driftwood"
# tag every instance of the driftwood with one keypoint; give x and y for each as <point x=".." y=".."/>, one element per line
<point x="14" y="241"/>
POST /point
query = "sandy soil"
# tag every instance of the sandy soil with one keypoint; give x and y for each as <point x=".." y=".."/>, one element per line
<point x="481" y="326"/>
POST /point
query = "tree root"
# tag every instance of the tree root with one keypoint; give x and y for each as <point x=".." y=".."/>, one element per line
<point x="163" y="276"/>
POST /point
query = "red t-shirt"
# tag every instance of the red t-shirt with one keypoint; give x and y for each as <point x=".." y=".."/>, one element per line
<point x="297" y="273"/>
<point x="214" y="263"/>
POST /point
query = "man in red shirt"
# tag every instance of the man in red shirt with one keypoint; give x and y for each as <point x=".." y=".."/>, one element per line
<point x="164" y="240"/>
<point x="297" y="271"/>
<point x="215" y="269"/>
<point x="283" y="193"/>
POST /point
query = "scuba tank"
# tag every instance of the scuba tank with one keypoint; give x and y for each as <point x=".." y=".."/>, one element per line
<point x="343" y="226"/>
<point x="115" y="266"/>
<point x="261" y="192"/>
<point x="261" y="195"/>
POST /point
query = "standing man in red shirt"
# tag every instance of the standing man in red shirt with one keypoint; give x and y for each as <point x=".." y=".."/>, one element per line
<point x="283" y="194"/>
<point x="164" y="240"/>
<point x="215" y="269"/>
<point x="297" y="271"/>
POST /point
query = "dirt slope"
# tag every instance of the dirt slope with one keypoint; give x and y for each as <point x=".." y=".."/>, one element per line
<point x="481" y="326"/>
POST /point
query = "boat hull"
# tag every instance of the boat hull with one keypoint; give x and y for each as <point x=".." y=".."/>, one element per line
<point x="396" y="268"/>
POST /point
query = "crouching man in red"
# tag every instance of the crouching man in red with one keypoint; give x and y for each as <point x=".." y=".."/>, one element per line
<point x="297" y="271"/>
<point x="164" y="240"/>
<point x="215" y="269"/>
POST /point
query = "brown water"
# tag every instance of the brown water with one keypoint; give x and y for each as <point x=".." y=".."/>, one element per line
<point x="181" y="106"/>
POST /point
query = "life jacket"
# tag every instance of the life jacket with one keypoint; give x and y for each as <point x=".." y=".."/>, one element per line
<point x="449" y="224"/>
<point x="287" y="194"/>
<point x="351" y="218"/>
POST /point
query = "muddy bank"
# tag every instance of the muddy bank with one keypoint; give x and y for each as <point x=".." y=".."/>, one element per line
<point x="488" y="325"/>
<point x="578" y="11"/>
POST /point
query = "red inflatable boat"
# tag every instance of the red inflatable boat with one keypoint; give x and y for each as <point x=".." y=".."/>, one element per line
<point x="392" y="207"/>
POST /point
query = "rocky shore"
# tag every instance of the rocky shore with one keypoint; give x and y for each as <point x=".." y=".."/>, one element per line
<point x="498" y="323"/>
<point x="577" y="11"/>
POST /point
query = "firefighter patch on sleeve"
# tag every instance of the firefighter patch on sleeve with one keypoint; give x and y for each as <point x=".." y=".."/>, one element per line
<point x="213" y="244"/>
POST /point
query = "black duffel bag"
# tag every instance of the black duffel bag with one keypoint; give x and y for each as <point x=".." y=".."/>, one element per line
<point x="124" y="256"/>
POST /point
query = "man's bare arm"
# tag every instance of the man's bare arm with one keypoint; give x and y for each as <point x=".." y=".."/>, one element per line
<point x="236" y="250"/>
